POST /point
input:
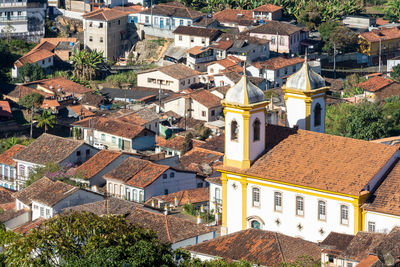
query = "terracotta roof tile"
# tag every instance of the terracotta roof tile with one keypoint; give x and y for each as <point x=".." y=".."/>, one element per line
<point x="197" y="50"/>
<point x="175" y="143"/>
<point x="110" y="205"/>
<point x="258" y="246"/>
<point x="105" y="14"/>
<point x="222" y="44"/>
<point x="234" y="15"/>
<point x="381" y="34"/>
<point x="6" y="157"/>
<point x="81" y="111"/>
<point x="274" y="27"/>
<point x="375" y="83"/>
<point x="214" y="180"/>
<point x="21" y="90"/>
<point x="137" y="172"/>
<point x="305" y="158"/>
<point x="35" y="56"/>
<point x="362" y="245"/>
<point x="5" y="109"/>
<point x="389" y="247"/>
<point x="177" y="71"/>
<point x="268" y="8"/>
<point x="196" y="31"/>
<point x="206" y="98"/>
<point x="50" y="103"/>
<point x="278" y="63"/>
<point x="227" y="62"/>
<point x="140" y="117"/>
<point x="59" y="83"/>
<point x="6" y="196"/>
<point x="173" y="9"/>
<point x="200" y="160"/>
<point x="193" y="196"/>
<point x="381" y="21"/>
<point x="7" y="215"/>
<point x="368" y="261"/>
<point x="214" y="143"/>
<point x="336" y="243"/>
<point x="131" y="9"/>
<point x="48" y="148"/>
<point x="98" y="162"/>
<point x="23" y="229"/>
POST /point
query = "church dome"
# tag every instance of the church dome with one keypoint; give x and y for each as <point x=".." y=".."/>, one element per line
<point x="305" y="79"/>
<point x="244" y="93"/>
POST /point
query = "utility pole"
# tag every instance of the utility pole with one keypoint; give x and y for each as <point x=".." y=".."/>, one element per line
<point x="277" y="42"/>
<point x="334" y="60"/>
<point x="380" y="54"/>
<point x="159" y="99"/>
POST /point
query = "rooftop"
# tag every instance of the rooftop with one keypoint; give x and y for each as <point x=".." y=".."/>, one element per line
<point x="80" y="110"/>
<point x="48" y="148"/>
<point x="6" y="157"/>
<point x="258" y="246"/>
<point x="36" y="56"/>
<point x="110" y="205"/>
<point x="59" y="84"/>
<point x="97" y="163"/>
<point x="193" y="196"/>
<point x="268" y="8"/>
<point x="177" y="71"/>
<point x="176" y="143"/>
<point x="305" y="79"/>
<point x="20" y="91"/>
<point x="381" y="34"/>
<point x="278" y="63"/>
<point x="5" y="109"/>
<point x="304" y="158"/>
<point x="375" y="83"/>
<point x="205" y="98"/>
<point x="244" y="93"/>
<point x="234" y="16"/>
<point x="275" y="27"/>
<point x="196" y="31"/>
<point x="336" y="243"/>
<point x="105" y="14"/>
<point x="200" y="160"/>
<point x="173" y="9"/>
<point x="362" y="245"/>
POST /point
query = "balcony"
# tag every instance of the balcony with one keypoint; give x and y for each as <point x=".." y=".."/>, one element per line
<point x="9" y="4"/>
<point x="5" y="178"/>
<point x="13" y="19"/>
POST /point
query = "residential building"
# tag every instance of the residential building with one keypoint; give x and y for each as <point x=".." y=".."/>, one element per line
<point x="250" y="49"/>
<point x="78" y="112"/>
<point x="275" y="70"/>
<point x="134" y="94"/>
<point x="162" y="19"/>
<point x="144" y="117"/>
<point x="45" y="198"/>
<point x="5" y="110"/>
<point x="202" y="161"/>
<point x="198" y="197"/>
<point x="221" y="47"/>
<point x="237" y="18"/>
<point x="200" y="105"/>
<point x="8" y="170"/>
<point x="50" y="104"/>
<point x="284" y="37"/>
<point x="22" y="19"/>
<point x="197" y="57"/>
<point x="257" y="246"/>
<point x="263" y="185"/>
<point x="348" y="250"/>
<point x="109" y="31"/>
<point x="50" y="148"/>
<point x="215" y="197"/>
<point x="359" y="23"/>
<point x="207" y="22"/>
<point x="383" y="41"/>
<point x="267" y="12"/>
<point x="139" y="180"/>
<point x="115" y="134"/>
<point x="170" y="229"/>
<point x="171" y="147"/>
<point x="174" y="77"/>
<point x="226" y="64"/>
<point x="391" y="63"/>
<point x="230" y="78"/>
<point x="19" y="91"/>
<point x="42" y="57"/>
<point x="378" y="88"/>
<point x="188" y="36"/>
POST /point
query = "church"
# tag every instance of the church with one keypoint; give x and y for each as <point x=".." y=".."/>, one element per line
<point x="295" y="180"/>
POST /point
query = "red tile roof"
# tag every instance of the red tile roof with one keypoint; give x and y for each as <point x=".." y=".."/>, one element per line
<point x="60" y="84"/>
<point x="196" y="31"/>
<point x="193" y="196"/>
<point x="35" y="56"/>
<point x="5" y="109"/>
<point x="206" y="98"/>
<point x="106" y="14"/>
<point x="368" y="261"/>
<point x="23" y="229"/>
<point x="97" y="163"/>
<point x="81" y="111"/>
<point x="381" y="34"/>
<point x="234" y="15"/>
<point x="6" y="157"/>
<point x="177" y="71"/>
<point x="278" y="63"/>
<point x="50" y="103"/>
<point x="21" y="90"/>
<point x="197" y="50"/>
<point x="375" y="83"/>
<point x="223" y="44"/>
<point x="175" y="143"/>
<point x="268" y="8"/>
<point x="200" y="160"/>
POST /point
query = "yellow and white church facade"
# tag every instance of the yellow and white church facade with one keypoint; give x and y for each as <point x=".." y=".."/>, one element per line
<point x="294" y="180"/>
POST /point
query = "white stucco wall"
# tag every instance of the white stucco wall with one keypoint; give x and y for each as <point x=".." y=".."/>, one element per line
<point x="296" y="111"/>
<point x="177" y="105"/>
<point x="233" y="149"/>
<point x="152" y="80"/>
<point x="384" y="223"/>
<point x="215" y="197"/>
<point x="187" y="43"/>
<point x="193" y="241"/>
<point x="318" y="100"/>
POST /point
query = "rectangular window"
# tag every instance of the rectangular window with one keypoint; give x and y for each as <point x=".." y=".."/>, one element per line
<point x="47" y="213"/>
<point x="103" y="137"/>
<point x="189" y="23"/>
<point x="203" y="113"/>
<point x="115" y="189"/>
<point x="180" y="37"/>
<point x="181" y="22"/>
<point x="78" y="153"/>
<point x="203" y="40"/>
<point x="321" y="210"/>
<point x="192" y="39"/>
<point x="256" y="197"/>
<point x="371" y="226"/>
<point x="146" y="19"/>
<point x="166" y="192"/>
<point x="90" y="38"/>
<point x="282" y="41"/>
<point x="212" y="112"/>
<point x="101" y="25"/>
<point x="273" y="40"/>
<point x="121" y="190"/>
<point x="41" y="212"/>
<point x="101" y="39"/>
<point x="22" y="170"/>
<point x="349" y="264"/>
<point x="172" y="175"/>
<point x="87" y="152"/>
<point x="156" y="20"/>
<point x="299" y="206"/>
<point x="199" y="185"/>
<point x="110" y="188"/>
<point x="119" y="22"/>
<point x="344" y="214"/>
<point x="90" y="24"/>
<point x="35" y="207"/>
<point x="278" y="201"/>
<point x="114" y="140"/>
<point x="43" y="62"/>
<point x="165" y="176"/>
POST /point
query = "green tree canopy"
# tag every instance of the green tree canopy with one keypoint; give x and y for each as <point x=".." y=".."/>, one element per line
<point x="345" y="39"/>
<point x="392" y="10"/>
<point x="33" y="100"/>
<point x="30" y="72"/>
<point x="46" y="120"/>
<point x="85" y="239"/>
<point x="86" y="64"/>
<point x="395" y="74"/>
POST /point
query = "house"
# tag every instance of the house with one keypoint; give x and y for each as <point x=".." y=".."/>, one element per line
<point x="201" y="160"/>
<point x="189" y="36"/>
<point x="275" y="70"/>
<point x="261" y="170"/>
<point x="207" y="22"/>
<point x="108" y="30"/>
<point x="170" y="229"/>
<point x="215" y="197"/>
<point x="172" y="147"/>
<point x="78" y="112"/>
<point x="144" y="117"/>
<point x="264" y="248"/>
<point x="50" y="104"/>
<point x="379" y="87"/>
<point x="383" y="41"/>
<point x="223" y="65"/>
<point x="91" y="172"/>
<point x="391" y="63"/>
<point x="50" y="148"/>
<point x="135" y="94"/>
<point x="237" y="18"/>
<point x="198" y="197"/>
<point x="8" y="170"/>
<point x="19" y="91"/>
<point x="220" y="91"/>
<point x="5" y="110"/>
<point x="6" y="200"/>
<point x="92" y="101"/>
<point x="45" y="198"/>
<point x="115" y="134"/>
<point x="230" y="78"/>
<point x="284" y="37"/>
<point x="17" y="14"/>
<point x="221" y="47"/>
<point x="139" y="180"/>
<point x="42" y="57"/>
<point x="174" y="77"/>
<point x="249" y="49"/>
<point x="197" y="57"/>
<point x="268" y="12"/>
<point x="348" y="250"/>
<point x="162" y="19"/>
<point x="200" y="105"/>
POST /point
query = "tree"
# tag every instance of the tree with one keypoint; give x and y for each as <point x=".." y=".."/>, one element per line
<point x="395" y="74"/>
<point x="31" y="101"/>
<point x="86" y="64"/>
<point x="344" y="39"/>
<point x="326" y="28"/>
<point x="30" y="72"/>
<point x="311" y="15"/>
<point x="85" y="239"/>
<point x="188" y="143"/>
<point x="46" y="119"/>
<point x="350" y="85"/>
<point x="392" y="11"/>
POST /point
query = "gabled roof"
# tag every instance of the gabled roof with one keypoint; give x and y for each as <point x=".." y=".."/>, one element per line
<point x="5" y="109"/>
<point x="278" y="63"/>
<point x="59" y="85"/>
<point x="196" y="31"/>
<point x="258" y="246"/>
<point x="227" y="62"/>
<point x="375" y="83"/>
<point x="21" y="90"/>
<point x="50" y="103"/>
<point x="112" y="205"/>
<point x="112" y="126"/>
<point x="6" y="197"/>
<point x="200" y="160"/>
<point x="234" y="16"/>
<point x="35" y="56"/>
<point x="6" y="157"/>
<point x="362" y="245"/>
<point x="305" y="158"/>
<point x="140" y="117"/>
<point x="97" y="163"/>
<point x="268" y="8"/>
<point x="205" y="98"/>
<point x="336" y="243"/>
<point x="381" y="34"/>
<point x="275" y="27"/>
<point x="173" y="9"/>
<point x="80" y="110"/>
<point x="48" y="148"/>
<point x="177" y="71"/>
<point x="45" y="191"/>
<point x="137" y="172"/>
<point x="196" y="195"/>
<point x="175" y="143"/>
<point x="105" y="14"/>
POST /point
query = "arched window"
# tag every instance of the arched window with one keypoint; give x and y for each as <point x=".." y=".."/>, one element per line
<point x="256" y="197"/>
<point x="255" y="224"/>
<point x="256" y="130"/>
<point x="317" y="115"/>
<point x="234" y="130"/>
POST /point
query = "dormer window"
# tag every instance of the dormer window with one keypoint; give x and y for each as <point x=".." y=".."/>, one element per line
<point x="234" y="130"/>
<point x="256" y="130"/>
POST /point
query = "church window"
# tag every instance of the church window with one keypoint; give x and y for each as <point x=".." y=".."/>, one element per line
<point x="278" y="201"/>
<point x="344" y="214"/>
<point x="234" y="131"/>
<point x="317" y="115"/>
<point x="321" y="210"/>
<point x="255" y="224"/>
<point x="256" y="128"/>
<point x="299" y="206"/>
<point x="256" y="197"/>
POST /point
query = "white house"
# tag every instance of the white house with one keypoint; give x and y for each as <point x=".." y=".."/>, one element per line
<point x="174" y="77"/>
<point x="8" y="170"/>
<point x="188" y="36"/>
<point x="268" y="12"/>
<point x="42" y="57"/>
<point x="250" y="49"/>
<point x="392" y="63"/>
<point x="50" y="148"/>
<point x="215" y="202"/>
<point x="228" y="63"/>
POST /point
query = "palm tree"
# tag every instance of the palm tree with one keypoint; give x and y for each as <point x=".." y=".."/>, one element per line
<point x="93" y="61"/>
<point x="46" y="120"/>
<point x="78" y="59"/>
